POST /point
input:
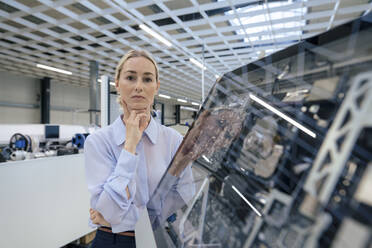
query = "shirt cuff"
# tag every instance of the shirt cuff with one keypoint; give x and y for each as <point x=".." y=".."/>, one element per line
<point x="129" y="224"/>
<point x="126" y="165"/>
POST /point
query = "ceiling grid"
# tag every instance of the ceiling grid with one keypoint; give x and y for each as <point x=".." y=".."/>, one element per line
<point x="67" y="34"/>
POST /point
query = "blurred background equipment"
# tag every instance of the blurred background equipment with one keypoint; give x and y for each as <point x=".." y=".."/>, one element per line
<point x="38" y="140"/>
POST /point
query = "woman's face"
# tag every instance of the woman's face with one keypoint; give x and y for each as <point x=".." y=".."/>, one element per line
<point x="137" y="84"/>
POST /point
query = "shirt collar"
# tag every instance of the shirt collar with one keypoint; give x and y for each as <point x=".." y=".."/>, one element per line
<point x="152" y="131"/>
<point x="120" y="131"/>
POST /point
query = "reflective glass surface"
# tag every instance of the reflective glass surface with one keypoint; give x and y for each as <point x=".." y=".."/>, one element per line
<point x="280" y="152"/>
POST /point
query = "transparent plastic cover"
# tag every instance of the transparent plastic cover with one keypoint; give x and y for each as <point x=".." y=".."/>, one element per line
<point x="280" y="153"/>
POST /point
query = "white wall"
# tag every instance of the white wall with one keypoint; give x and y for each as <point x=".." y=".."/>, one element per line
<point x="72" y="101"/>
<point x="44" y="202"/>
<point x="19" y="90"/>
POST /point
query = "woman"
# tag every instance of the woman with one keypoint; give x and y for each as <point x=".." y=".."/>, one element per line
<point x="125" y="161"/>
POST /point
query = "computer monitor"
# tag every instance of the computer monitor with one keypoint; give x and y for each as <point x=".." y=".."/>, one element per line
<point x="51" y="132"/>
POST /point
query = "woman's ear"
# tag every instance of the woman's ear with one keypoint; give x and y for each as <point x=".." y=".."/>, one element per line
<point x="117" y="84"/>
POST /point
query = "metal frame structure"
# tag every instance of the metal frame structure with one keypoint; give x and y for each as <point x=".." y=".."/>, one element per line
<point x="353" y="116"/>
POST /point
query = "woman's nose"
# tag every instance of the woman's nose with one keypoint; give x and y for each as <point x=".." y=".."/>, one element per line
<point x="139" y="86"/>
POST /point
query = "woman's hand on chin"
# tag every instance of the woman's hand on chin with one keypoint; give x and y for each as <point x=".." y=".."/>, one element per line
<point x="136" y="122"/>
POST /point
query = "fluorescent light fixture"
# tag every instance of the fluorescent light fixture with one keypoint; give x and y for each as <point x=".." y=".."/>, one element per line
<point x="164" y="96"/>
<point x="206" y="159"/>
<point x="216" y="76"/>
<point x="284" y="116"/>
<point x="245" y="199"/>
<point x="189" y="109"/>
<point x="154" y="34"/>
<point x="195" y="103"/>
<point x="259" y="33"/>
<point x="197" y="63"/>
<point x="181" y="100"/>
<point x="53" y="69"/>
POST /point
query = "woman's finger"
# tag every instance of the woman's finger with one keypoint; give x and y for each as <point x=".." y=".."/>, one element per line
<point x="136" y="118"/>
<point x="143" y="118"/>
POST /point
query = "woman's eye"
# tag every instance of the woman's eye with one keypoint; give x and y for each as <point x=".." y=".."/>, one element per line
<point x="130" y="78"/>
<point x="148" y="80"/>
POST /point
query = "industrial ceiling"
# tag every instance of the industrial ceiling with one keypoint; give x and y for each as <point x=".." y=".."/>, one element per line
<point x="67" y="34"/>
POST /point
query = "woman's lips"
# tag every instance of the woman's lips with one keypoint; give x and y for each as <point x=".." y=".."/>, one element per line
<point x="138" y="97"/>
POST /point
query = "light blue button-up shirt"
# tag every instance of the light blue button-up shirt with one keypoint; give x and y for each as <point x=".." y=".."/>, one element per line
<point x="110" y="169"/>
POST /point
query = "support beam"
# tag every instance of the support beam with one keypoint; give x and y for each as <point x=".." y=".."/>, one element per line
<point x="162" y="113"/>
<point x="45" y="100"/>
<point x="93" y="92"/>
<point x="178" y="114"/>
<point x="105" y="100"/>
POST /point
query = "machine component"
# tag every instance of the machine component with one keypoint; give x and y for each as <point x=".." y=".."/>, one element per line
<point x="362" y="193"/>
<point x="79" y="140"/>
<point x="67" y="151"/>
<point x="51" y="131"/>
<point x="20" y="142"/>
<point x="278" y="205"/>
<point x="50" y="153"/>
<point x="195" y="235"/>
<point x="6" y="151"/>
<point x="18" y="155"/>
<point x="353" y="116"/>
<point x="2" y="158"/>
<point x="260" y="153"/>
<point x="323" y="89"/>
<point x="352" y="234"/>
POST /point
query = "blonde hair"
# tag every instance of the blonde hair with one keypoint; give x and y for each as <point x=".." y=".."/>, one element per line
<point x="134" y="54"/>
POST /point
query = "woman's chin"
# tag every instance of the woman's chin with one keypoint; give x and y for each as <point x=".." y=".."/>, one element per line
<point x="139" y="106"/>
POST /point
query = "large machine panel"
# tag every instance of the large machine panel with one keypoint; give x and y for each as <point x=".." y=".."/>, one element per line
<point x="280" y="152"/>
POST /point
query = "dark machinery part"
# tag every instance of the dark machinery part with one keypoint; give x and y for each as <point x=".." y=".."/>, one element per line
<point x="2" y="158"/>
<point x="67" y="151"/>
<point x="5" y="152"/>
<point x="20" y="142"/>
